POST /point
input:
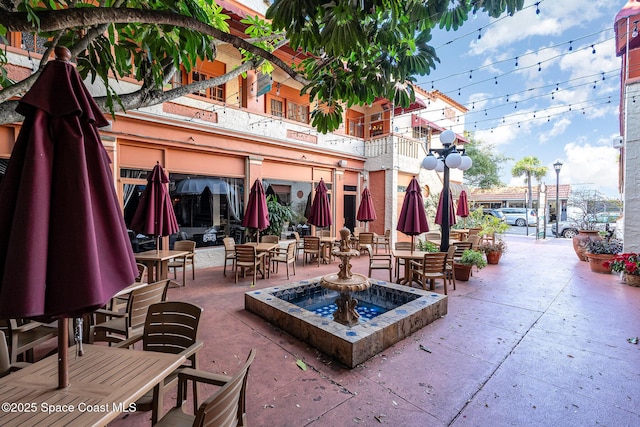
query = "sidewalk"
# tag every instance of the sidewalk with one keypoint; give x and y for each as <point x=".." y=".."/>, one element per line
<point x="537" y="340"/>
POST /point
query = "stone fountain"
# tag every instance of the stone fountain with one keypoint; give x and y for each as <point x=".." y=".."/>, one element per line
<point x="345" y="282"/>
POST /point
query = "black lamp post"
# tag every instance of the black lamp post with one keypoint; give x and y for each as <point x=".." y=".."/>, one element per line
<point x="448" y="157"/>
<point x="557" y="166"/>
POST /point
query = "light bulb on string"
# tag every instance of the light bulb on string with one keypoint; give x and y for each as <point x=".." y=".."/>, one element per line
<point x="593" y="49"/>
<point x="479" y="33"/>
<point x="538" y="10"/>
<point x="570" y="45"/>
<point x="634" y="34"/>
<point x="516" y="61"/>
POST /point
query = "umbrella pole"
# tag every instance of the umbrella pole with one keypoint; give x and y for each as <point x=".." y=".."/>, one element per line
<point x="158" y="244"/>
<point x="63" y="344"/>
<point x="412" y="245"/>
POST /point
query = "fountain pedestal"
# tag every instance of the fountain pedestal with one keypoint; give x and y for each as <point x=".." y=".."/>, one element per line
<point x="345" y="282"/>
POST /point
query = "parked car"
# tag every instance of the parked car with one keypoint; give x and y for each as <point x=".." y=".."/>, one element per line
<point x="519" y="216"/>
<point x="494" y="212"/>
<point x="603" y="221"/>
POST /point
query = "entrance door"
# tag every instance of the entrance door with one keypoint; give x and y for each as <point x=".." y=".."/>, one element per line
<point x="350" y="211"/>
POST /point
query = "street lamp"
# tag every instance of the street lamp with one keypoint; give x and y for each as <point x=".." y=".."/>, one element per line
<point x="557" y="166"/>
<point x="449" y="157"/>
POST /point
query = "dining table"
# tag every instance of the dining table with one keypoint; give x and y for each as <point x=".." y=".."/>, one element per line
<point x="157" y="262"/>
<point x="326" y="243"/>
<point x="264" y="248"/>
<point x="103" y="383"/>
<point x="407" y="256"/>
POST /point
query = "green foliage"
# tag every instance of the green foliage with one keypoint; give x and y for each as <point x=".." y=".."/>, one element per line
<point x="487" y="163"/>
<point x="471" y="257"/>
<point x="492" y="225"/>
<point x="357" y="51"/>
<point x="427" y="246"/>
<point x="278" y="215"/>
<point x="529" y="166"/>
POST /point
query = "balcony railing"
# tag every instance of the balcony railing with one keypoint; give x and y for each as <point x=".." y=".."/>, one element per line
<point x="408" y="147"/>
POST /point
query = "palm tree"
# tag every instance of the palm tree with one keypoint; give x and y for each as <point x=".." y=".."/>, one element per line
<point x="529" y="166"/>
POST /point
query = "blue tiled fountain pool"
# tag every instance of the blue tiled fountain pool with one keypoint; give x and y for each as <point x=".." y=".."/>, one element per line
<point x="388" y="313"/>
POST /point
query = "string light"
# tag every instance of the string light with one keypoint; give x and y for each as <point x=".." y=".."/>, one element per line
<point x="538" y="9"/>
<point x="634" y="34"/>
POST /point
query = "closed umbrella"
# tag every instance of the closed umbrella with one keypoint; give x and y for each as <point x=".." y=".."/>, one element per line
<point x="366" y="211"/>
<point x="412" y="220"/>
<point x="320" y="214"/>
<point x="256" y="215"/>
<point x="64" y="248"/>
<point x="451" y="211"/>
<point x="154" y="215"/>
<point x="463" y="207"/>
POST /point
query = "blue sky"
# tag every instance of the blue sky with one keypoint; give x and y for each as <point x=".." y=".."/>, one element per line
<point x="541" y="84"/>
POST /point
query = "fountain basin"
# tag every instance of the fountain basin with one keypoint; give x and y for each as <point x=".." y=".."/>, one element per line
<point x="409" y="310"/>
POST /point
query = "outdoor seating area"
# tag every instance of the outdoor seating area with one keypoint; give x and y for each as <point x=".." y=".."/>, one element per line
<point x="532" y="320"/>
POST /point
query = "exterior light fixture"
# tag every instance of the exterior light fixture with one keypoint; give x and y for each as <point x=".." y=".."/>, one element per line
<point x="557" y="166"/>
<point x="448" y="157"/>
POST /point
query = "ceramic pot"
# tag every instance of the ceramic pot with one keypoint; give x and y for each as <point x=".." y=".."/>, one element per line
<point x="493" y="257"/>
<point x="462" y="271"/>
<point x="580" y="242"/>
<point x="596" y="261"/>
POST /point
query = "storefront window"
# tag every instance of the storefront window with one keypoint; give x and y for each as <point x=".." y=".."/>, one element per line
<point x="207" y="208"/>
<point x="296" y="195"/>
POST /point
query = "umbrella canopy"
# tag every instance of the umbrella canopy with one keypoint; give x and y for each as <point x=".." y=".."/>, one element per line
<point x="64" y="248"/>
<point x="451" y="211"/>
<point x="463" y="206"/>
<point x="256" y="214"/>
<point x="320" y="214"/>
<point x="366" y="211"/>
<point x="154" y="215"/>
<point x="413" y="219"/>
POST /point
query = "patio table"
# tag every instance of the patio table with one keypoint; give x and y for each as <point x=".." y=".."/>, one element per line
<point x="104" y="382"/>
<point x="407" y="256"/>
<point x="157" y="262"/>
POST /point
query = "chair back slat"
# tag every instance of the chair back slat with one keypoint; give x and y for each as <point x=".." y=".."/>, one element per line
<point x="141" y="299"/>
<point x="311" y="243"/>
<point x="226" y="406"/>
<point x="245" y="254"/>
<point x="461" y="247"/>
<point x="365" y="238"/>
<point x="269" y="238"/>
<point x="434" y="262"/>
<point x="171" y="326"/>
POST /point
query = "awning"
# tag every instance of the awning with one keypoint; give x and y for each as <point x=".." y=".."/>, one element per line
<point x="417" y="121"/>
<point x="196" y="186"/>
<point x="417" y="105"/>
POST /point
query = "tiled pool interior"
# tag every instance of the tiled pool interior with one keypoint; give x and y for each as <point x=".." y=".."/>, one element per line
<point x="291" y="306"/>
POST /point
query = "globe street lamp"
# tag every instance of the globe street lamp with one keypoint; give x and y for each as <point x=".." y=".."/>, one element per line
<point x="557" y="166"/>
<point x="449" y="157"/>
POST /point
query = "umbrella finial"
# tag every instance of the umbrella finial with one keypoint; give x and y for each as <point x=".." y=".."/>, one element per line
<point x="62" y="53"/>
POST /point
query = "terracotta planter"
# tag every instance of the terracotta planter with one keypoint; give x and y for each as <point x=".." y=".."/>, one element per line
<point x="493" y="257"/>
<point x="462" y="271"/>
<point x="596" y="261"/>
<point x="632" y="280"/>
<point x="580" y="242"/>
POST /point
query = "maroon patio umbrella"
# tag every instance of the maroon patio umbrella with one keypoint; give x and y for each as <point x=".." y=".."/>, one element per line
<point x="366" y="211"/>
<point x="154" y="215"/>
<point x="64" y="248"/>
<point x="256" y="215"/>
<point x="412" y="220"/>
<point x="320" y="214"/>
<point x="452" y="212"/>
<point x="463" y="207"/>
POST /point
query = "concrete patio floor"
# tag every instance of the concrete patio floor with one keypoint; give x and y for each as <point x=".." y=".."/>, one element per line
<point x="537" y="340"/>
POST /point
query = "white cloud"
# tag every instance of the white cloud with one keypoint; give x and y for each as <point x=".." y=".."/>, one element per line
<point x="591" y="166"/>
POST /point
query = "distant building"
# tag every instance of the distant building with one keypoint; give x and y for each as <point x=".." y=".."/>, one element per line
<point x="515" y="197"/>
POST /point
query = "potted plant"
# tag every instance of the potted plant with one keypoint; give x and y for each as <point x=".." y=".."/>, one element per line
<point x="598" y="251"/>
<point x="493" y="250"/>
<point x="278" y="215"/>
<point x="493" y="245"/>
<point x="469" y="258"/>
<point x="628" y="265"/>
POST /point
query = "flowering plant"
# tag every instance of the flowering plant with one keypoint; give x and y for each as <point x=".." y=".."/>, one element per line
<point x="628" y="263"/>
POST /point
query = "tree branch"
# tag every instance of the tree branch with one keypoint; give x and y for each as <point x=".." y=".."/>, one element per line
<point x="53" y="20"/>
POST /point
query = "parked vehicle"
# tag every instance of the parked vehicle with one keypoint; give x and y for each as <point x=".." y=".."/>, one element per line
<point x="494" y="212"/>
<point x="603" y="221"/>
<point x="519" y="216"/>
